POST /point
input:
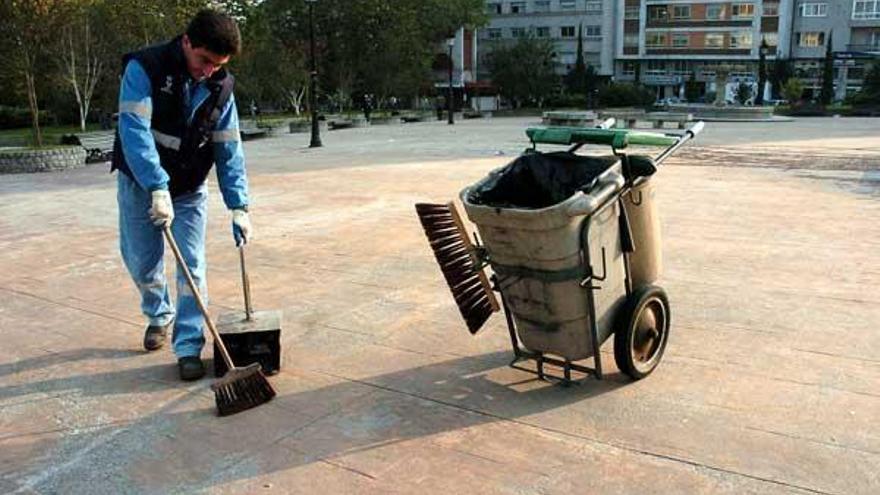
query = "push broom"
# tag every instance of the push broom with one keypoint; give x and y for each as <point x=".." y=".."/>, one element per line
<point x="240" y="388"/>
<point x="456" y="256"/>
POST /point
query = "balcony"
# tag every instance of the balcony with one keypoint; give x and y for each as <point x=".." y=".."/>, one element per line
<point x="672" y="23"/>
<point x="863" y="48"/>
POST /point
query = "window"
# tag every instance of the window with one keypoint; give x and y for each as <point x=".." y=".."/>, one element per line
<point x="655" y="68"/>
<point x="715" y="12"/>
<point x="875" y="39"/>
<point x="741" y="39"/>
<point x="632" y="12"/>
<point x="542" y="6"/>
<point x="658" y="13"/>
<point x="806" y="69"/>
<point x="813" y="9"/>
<point x="708" y="70"/>
<point x="855" y="72"/>
<point x="518" y="32"/>
<point x="593" y="33"/>
<point x="493" y="8"/>
<point x="567" y="31"/>
<point x="567" y="4"/>
<point x="542" y="32"/>
<point x="680" y="40"/>
<point x="517" y="7"/>
<point x="630" y="40"/>
<point x="772" y="39"/>
<point x="681" y="12"/>
<point x="866" y="9"/>
<point x="714" y="40"/>
<point x="629" y="69"/>
<point x="567" y="58"/>
<point x="810" y="40"/>
<point x="742" y="10"/>
<point x="493" y="33"/>
<point x="770" y="9"/>
<point x="680" y="68"/>
<point x="594" y="7"/>
<point x="655" y="40"/>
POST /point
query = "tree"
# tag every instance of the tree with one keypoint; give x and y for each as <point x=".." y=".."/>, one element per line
<point x="80" y="58"/>
<point x="524" y="72"/>
<point x="792" y="90"/>
<point x="26" y="30"/>
<point x="576" y="79"/>
<point x="781" y="72"/>
<point x="268" y="70"/>
<point x="373" y="46"/>
<point x="826" y="95"/>
<point x="869" y="95"/>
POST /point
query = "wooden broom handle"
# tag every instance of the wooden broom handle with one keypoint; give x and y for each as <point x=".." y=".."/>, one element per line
<point x="181" y="265"/>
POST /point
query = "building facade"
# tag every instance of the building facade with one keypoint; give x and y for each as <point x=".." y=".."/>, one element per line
<point x="558" y="21"/>
<point x="852" y="27"/>
<point x="665" y="43"/>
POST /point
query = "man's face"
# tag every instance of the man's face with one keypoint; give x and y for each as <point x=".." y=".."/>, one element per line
<point x="201" y="62"/>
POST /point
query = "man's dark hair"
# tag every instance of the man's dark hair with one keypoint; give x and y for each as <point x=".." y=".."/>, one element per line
<point x="214" y="31"/>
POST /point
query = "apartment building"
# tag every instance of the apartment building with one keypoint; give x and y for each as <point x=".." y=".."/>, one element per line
<point x="558" y="21"/>
<point x="663" y="43"/>
<point x="852" y="26"/>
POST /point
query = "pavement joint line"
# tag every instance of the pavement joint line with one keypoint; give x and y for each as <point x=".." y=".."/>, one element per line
<point x="581" y="437"/>
<point x="812" y="440"/>
<point x="83" y="429"/>
<point x="395" y="348"/>
<point x="332" y="412"/>
<point x="820" y="386"/>
<point x="326" y="460"/>
<point x="842" y="356"/>
<point x="69" y="306"/>
<point x="790" y="292"/>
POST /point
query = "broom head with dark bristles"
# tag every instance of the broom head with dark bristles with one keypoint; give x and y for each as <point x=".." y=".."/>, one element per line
<point x="454" y="253"/>
<point x="241" y="389"/>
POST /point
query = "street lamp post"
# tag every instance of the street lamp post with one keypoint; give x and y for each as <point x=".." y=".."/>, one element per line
<point x="313" y="81"/>
<point x="449" y="107"/>
<point x="762" y="71"/>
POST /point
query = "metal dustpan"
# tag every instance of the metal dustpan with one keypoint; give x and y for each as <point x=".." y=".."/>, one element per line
<point x="251" y="336"/>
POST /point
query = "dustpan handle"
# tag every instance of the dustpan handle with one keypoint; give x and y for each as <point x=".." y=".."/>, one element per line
<point x="245" y="284"/>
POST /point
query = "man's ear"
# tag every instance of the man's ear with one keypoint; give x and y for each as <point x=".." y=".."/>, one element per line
<point x="186" y="42"/>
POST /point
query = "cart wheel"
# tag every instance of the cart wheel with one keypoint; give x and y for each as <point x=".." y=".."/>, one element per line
<point x="642" y="331"/>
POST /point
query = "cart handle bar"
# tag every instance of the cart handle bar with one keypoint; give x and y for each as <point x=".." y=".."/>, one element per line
<point x="616" y="138"/>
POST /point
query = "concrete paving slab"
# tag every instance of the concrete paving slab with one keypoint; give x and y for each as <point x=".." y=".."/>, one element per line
<point x="769" y="384"/>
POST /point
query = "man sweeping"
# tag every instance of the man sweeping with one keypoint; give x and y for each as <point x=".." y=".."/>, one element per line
<point x="177" y="119"/>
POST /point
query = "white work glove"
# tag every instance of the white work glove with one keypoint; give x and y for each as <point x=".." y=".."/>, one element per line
<point x="162" y="210"/>
<point x="242" y="230"/>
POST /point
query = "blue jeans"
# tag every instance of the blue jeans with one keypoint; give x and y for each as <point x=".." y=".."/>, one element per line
<point x="143" y="246"/>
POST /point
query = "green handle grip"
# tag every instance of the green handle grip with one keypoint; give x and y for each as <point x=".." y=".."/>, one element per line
<point x="618" y="138"/>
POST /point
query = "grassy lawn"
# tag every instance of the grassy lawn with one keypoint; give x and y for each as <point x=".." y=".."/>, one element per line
<point x="51" y="135"/>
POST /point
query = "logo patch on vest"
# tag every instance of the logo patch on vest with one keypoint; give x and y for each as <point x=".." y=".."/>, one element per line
<point x="167" y="88"/>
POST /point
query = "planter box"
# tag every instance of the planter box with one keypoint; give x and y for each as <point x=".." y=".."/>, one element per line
<point x="26" y="160"/>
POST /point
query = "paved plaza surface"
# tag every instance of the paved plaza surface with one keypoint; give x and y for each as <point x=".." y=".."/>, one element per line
<point x="770" y="382"/>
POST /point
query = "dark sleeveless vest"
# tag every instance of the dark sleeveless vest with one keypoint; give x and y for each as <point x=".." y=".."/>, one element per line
<point x="185" y="150"/>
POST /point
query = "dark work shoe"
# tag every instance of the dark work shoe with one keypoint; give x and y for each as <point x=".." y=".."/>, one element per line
<point x="154" y="336"/>
<point x="191" y="368"/>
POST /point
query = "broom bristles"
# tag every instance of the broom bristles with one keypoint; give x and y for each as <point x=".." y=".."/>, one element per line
<point x="241" y="389"/>
<point x="453" y="251"/>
